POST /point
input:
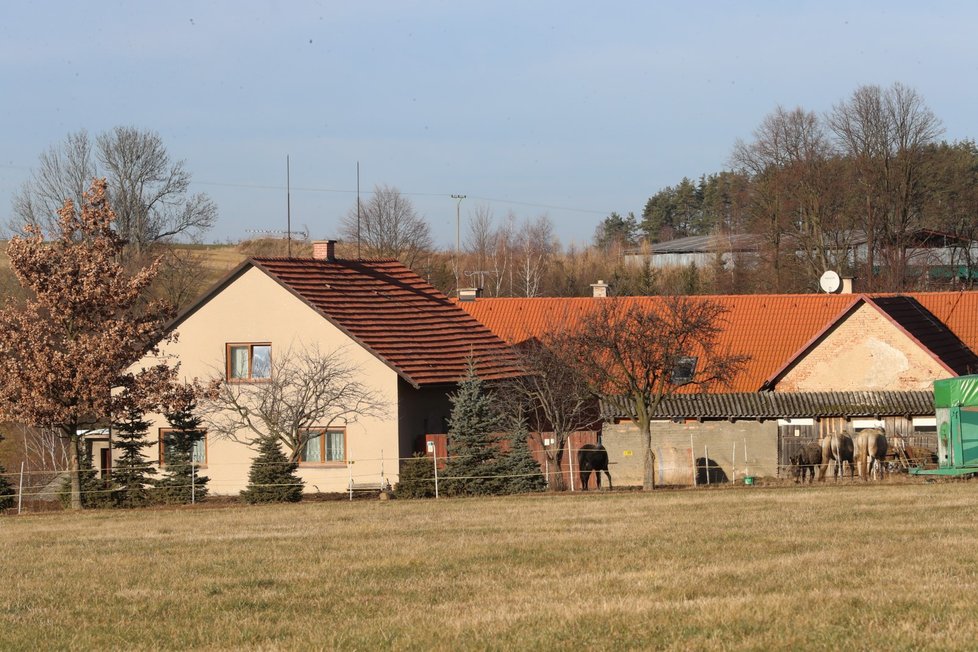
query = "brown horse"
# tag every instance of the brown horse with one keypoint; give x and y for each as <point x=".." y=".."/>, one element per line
<point x="837" y="449"/>
<point x="870" y="449"/>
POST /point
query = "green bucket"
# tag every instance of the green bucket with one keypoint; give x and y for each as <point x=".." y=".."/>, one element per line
<point x="749" y="479"/>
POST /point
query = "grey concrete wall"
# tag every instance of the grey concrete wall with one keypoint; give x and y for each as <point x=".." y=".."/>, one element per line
<point x="676" y="444"/>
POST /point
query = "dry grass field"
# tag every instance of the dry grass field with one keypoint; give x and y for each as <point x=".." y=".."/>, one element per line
<point x="889" y="566"/>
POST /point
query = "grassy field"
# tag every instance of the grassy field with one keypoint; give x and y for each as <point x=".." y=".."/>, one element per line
<point x="853" y="567"/>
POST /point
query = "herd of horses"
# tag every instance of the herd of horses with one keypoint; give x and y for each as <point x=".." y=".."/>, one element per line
<point x="865" y="454"/>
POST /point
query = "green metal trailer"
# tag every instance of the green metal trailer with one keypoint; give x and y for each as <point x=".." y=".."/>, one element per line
<point x="956" y="406"/>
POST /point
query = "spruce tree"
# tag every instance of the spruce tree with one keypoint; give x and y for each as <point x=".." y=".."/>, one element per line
<point x="473" y="451"/>
<point x="520" y="470"/>
<point x="95" y="491"/>
<point x="272" y="477"/>
<point x="181" y="483"/>
<point x="6" y="488"/>
<point x="417" y="478"/>
<point x="132" y="471"/>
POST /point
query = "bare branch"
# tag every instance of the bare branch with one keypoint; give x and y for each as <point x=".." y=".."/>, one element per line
<point x="308" y="390"/>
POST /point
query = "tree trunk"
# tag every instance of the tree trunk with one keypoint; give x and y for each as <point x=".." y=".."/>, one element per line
<point x="74" y="469"/>
<point x="648" y="479"/>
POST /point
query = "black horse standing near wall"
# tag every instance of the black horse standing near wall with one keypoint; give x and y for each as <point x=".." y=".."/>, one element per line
<point x="592" y="458"/>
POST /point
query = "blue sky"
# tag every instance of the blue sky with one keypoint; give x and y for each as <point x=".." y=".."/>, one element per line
<point x="565" y="108"/>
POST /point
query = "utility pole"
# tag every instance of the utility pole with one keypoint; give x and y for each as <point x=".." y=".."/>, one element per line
<point x="458" y="231"/>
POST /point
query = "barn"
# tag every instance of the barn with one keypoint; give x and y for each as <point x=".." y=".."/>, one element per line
<point x="818" y="363"/>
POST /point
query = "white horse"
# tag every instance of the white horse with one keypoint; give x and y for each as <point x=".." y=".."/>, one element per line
<point x="870" y="450"/>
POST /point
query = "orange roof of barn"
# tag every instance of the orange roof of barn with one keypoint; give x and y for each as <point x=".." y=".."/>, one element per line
<point x="773" y="330"/>
<point x="392" y="312"/>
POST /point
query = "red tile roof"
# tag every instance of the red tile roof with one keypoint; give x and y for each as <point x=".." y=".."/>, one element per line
<point x="771" y="329"/>
<point x="393" y="313"/>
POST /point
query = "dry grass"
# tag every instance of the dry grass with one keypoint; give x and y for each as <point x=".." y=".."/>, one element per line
<point x="858" y="567"/>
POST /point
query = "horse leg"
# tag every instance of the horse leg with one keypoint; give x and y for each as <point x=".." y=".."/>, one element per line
<point x="608" y="475"/>
<point x="597" y="478"/>
<point x="585" y="478"/>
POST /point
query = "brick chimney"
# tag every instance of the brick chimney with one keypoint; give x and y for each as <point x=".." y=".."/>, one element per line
<point x="324" y="250"/>
<point x="599" y="289"/>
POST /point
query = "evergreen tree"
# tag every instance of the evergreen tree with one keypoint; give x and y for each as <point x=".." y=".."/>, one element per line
<point x="473" y="451"/>
<point x="417" y="478"/>
<point x="181" y="482"/>
<point x="6" y="488"/>
<point x="95" y="491"/>
<point x="272" y="477"/>
<point x="131" y="472"/>
<point x="521" y="471"/>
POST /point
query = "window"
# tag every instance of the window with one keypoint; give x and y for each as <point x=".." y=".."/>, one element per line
<point x="249" y="361"/>
<point x="167" y="447"/>
<point x="324" y="446"/>
<point x="684" y="371"/>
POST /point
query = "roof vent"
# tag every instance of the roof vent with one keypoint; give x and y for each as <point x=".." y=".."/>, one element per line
<point x="469" y="294"/>
<point x="324" y="250"/>
<point x="599" y="289"/>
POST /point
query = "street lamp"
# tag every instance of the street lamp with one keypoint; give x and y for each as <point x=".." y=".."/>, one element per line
<point x="458" y="229"/>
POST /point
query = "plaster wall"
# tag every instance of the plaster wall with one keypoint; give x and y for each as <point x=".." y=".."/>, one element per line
<point x="864" y="352"/>
<point x="256" y="309"/>
<point x="737" y="449"/>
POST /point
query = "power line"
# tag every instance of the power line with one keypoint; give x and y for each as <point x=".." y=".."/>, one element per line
<point x="497" y="200"/>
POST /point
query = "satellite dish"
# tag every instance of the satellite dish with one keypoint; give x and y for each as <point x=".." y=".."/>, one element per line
<point x="830" y="282"/>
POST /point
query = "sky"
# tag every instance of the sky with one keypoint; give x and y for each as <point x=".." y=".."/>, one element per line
<point x="569" y="109"/>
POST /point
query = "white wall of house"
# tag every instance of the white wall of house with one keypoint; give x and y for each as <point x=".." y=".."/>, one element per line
<point x="256" y="309"/>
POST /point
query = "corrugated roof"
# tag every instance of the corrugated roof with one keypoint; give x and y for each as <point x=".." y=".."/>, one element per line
<point x="707" y="244"/>
<point x="771" y="329"/>
<point x="397" y="315"/>
<point x="782" y="405"/>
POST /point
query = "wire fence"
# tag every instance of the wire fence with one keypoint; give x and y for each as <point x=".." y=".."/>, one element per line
<point x="49" y="484"/>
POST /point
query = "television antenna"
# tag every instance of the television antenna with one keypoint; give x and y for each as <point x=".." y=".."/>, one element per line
<point x="830" y="282"/>
<point x="303" y="235"/>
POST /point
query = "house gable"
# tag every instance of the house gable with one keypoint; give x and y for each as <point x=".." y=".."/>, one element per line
<point x="863" y="350"/>
<point x="254" y="307"/>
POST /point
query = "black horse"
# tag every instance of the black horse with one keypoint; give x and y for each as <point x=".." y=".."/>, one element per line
<point x="805" y="463"/>
<point x="592" y="458"/>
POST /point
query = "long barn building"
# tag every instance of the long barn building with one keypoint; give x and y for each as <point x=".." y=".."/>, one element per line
<point x="818" y="363"/>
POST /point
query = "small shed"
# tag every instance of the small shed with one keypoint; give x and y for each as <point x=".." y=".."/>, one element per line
<point x="956" y="407"/>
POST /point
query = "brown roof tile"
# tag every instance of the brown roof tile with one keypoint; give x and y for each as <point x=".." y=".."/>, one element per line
<point x="397" y="315"/>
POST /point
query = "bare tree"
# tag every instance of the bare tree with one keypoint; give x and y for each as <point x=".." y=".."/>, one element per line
<point x="44" y="448"/>
<point x="182" y="276"/>
<point x="552" y="395"/>
<point x="148" y="193"/>
<point x="885" y="133"/>
<point x="640" y="353"/>
<point x="536" y="248"/>
<point x="388" y="227"/>
<point x="796" y="179"/>
<point x="478" y="242"/>
<point x="307" y="391"/>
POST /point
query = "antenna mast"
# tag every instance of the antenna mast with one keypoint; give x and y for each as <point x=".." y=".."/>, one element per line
<point x="288" y="207"/>
<point x="358" y="210"/>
